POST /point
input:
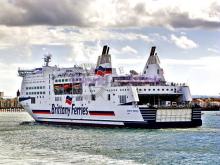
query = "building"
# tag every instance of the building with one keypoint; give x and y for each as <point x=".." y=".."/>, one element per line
<point x="8" y="102"/>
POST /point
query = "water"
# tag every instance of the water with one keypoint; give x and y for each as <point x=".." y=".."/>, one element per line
<point x="22" y="141"/>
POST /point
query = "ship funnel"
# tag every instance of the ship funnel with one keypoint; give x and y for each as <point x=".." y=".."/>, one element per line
<point x="104" y="64"/>
<point x="152" y="68"/>
<point x="153" y="48"/>
<point x="104" y="49"/>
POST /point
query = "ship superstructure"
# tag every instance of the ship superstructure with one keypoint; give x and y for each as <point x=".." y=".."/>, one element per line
<point x="99" y="96"/>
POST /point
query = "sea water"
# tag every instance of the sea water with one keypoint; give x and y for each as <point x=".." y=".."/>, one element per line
<point x="22" y="141"/>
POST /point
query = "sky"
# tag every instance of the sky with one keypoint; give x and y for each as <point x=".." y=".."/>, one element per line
<point x="185" y="32"/>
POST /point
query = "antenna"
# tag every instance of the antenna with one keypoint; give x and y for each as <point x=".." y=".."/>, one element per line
<point x="47" y="59"/>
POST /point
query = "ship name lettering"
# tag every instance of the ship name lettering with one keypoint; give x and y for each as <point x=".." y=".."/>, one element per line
<point x="60" y="110"/>
<point x="79" y="110"/>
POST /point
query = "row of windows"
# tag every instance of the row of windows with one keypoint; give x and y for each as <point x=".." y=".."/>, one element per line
<point x="66" y="80"/>
<point x="143" y="89"/>
<point x="78" y="98"/>
<point x="110" y="90"/>
<point x="35" y="87"/>
<point x="158" y="89"/>
<point x="35" y="93"/>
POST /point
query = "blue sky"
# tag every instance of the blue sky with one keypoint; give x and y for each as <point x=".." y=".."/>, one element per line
<point x="186" y="33"/>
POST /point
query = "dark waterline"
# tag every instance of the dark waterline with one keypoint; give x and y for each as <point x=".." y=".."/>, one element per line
<point x="23" y="141"/>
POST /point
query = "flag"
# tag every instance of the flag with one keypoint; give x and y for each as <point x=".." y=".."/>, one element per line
<point x="68" y="100"/>
<point x="101" y="71"/>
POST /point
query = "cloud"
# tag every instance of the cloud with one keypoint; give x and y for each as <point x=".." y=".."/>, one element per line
<point x="50" y="12"/>
<point x="183" y="42"/>
<point x="128" y="49"/>
<point x="111" y="13"/>
<point x="213" y="50"/>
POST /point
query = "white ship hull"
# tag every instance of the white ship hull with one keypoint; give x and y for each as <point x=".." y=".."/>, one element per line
<point x="121" y="116"/>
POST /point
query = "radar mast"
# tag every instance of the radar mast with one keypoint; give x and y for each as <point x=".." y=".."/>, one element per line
<point x="47" y="59"/>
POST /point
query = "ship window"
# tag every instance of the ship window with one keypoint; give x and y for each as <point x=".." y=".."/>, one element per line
<point x="144" y="89"/>
<point x="41" y="87"/>
<point x="167" y="89"/>
<point x="40" y="92"/>
<point x="32" y="100"/>
<point x="43" y="92"/>
<point x="26" y="87"/>
<point x="37" y="87"/>
<point x="93" y="97"/>
<point x="158" y="71"/>
<point x="153" y="89"/>
<point x="79" y="98"/>
<point x="139" y="89"/>
<point x="34" y="87"/>
<point x="109" y="97"/>
<point x="162" y="89"/>
<point x="62" y="80"/>
<point x="56" y="81"/>
<point x="158" y="89"/>
<point x="148" y="89"/>
<point x="122" y="99"/>
<point x="26" y="93"/>
<point x="171" y="89"/>
<point x="57" y="98"/>
<point x="59" y="80"/>
<point x="66" y="80"/>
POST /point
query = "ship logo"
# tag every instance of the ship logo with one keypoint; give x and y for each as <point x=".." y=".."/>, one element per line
<point x="68" y="100"/>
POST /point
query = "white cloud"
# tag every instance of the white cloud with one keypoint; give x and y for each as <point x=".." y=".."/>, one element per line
<point x="183" y="42"/>
<point x="213" y="50"/>
<point x="128" y="49"/>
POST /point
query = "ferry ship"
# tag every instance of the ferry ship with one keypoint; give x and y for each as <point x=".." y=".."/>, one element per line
<point x="98" y="96"/>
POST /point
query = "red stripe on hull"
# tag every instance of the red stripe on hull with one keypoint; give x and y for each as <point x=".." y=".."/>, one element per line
<point x="102" y="113"/>
<point x="41" y="112"/>
<point x="44" y="112"/>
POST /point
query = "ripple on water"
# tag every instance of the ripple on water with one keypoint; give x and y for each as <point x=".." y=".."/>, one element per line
<point x="24" y="141"/>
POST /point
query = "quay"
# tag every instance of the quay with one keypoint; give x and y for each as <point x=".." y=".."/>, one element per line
<point x="12" y="109"/>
